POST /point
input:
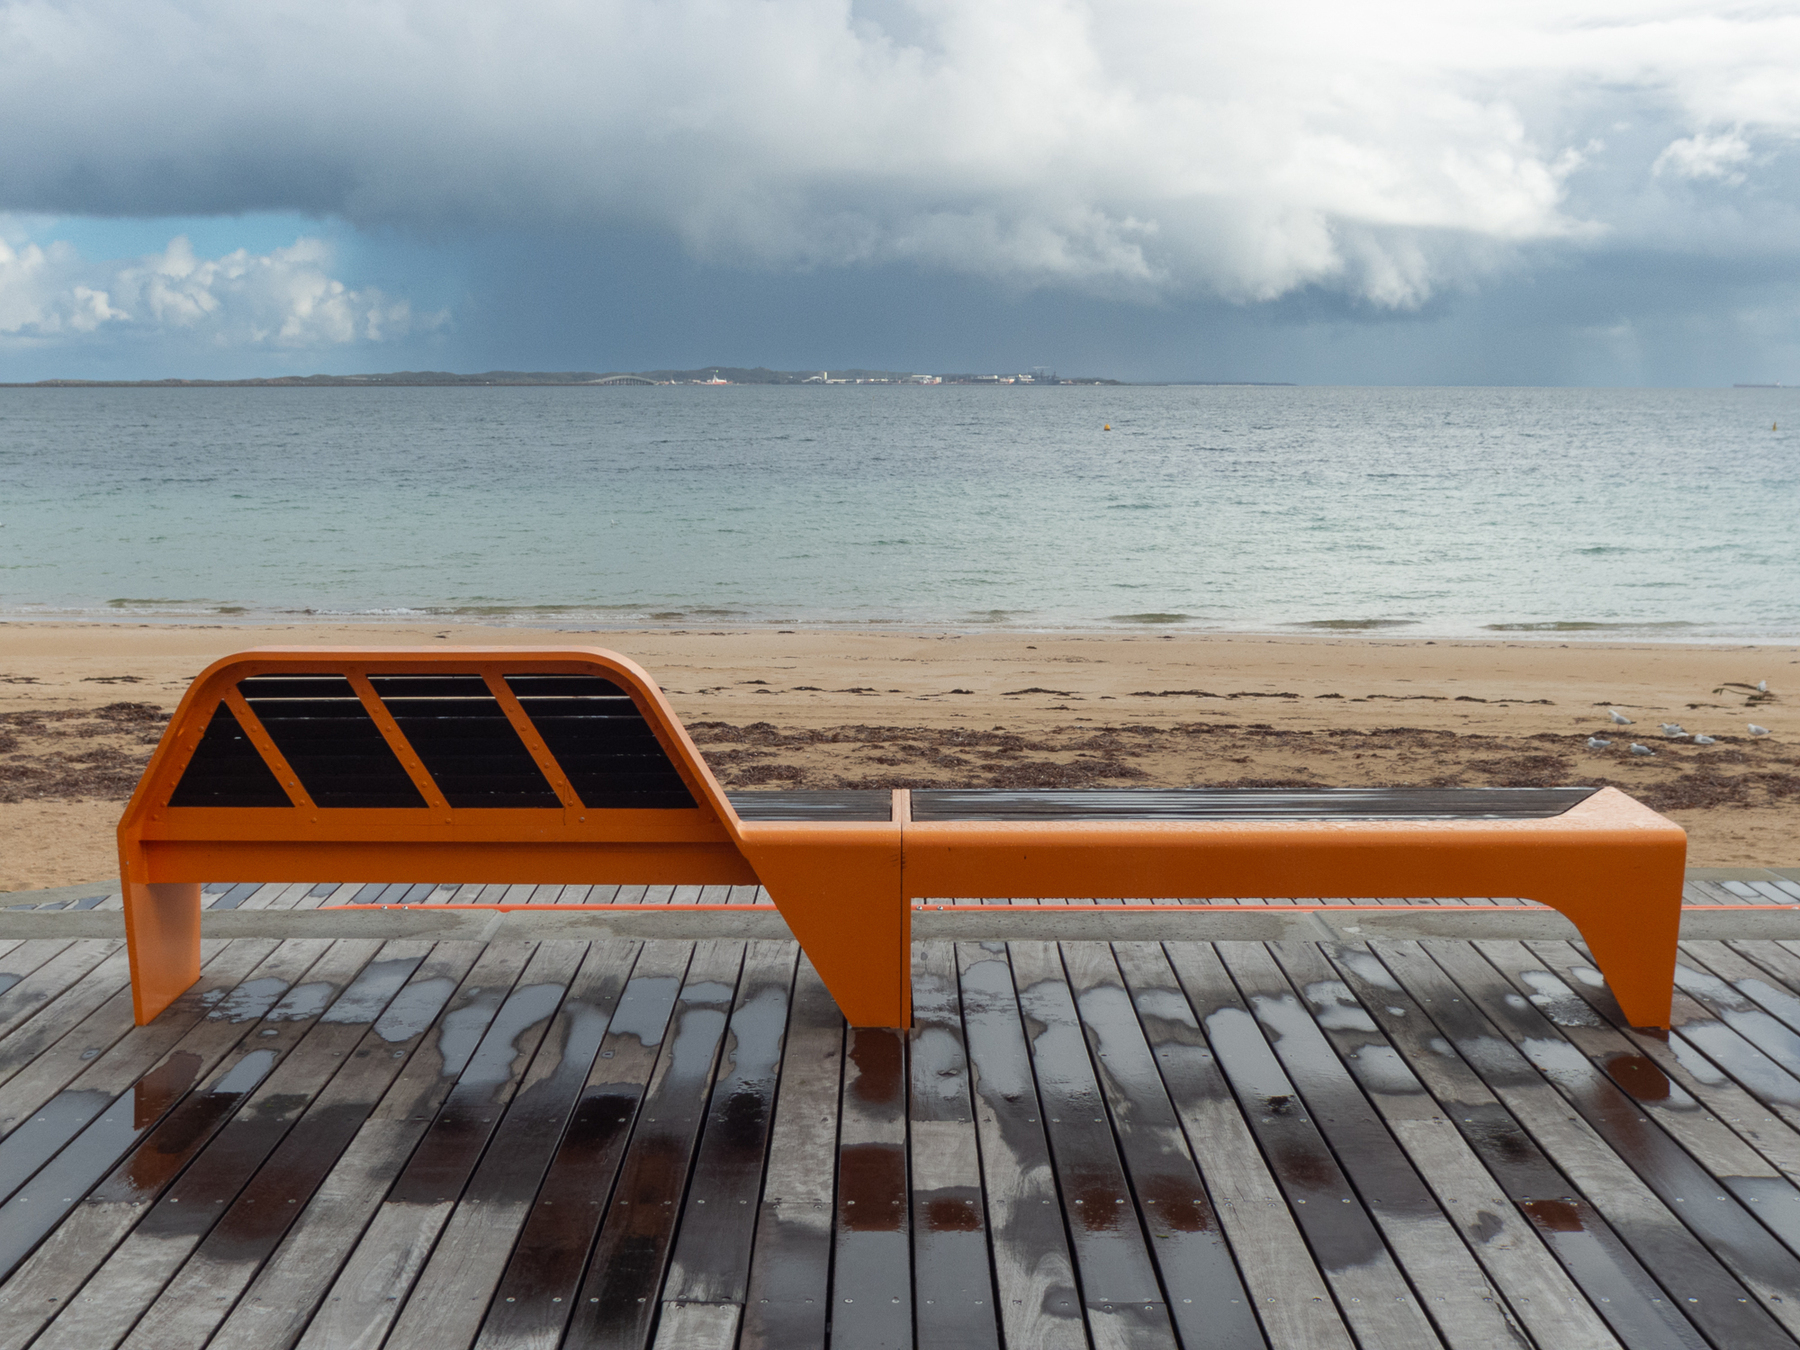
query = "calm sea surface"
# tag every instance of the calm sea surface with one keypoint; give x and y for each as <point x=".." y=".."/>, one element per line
<point x="1665" y="513"/>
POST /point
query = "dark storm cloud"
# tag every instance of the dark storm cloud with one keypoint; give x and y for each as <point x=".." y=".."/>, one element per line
<point x="1353" y="161"/>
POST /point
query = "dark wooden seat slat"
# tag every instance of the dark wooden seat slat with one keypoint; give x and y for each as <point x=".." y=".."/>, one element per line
<point x="845" y="804"/>
<point x="937" y="804"/>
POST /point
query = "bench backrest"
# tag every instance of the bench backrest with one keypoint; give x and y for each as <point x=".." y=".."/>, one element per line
<point x="286" y="747"/>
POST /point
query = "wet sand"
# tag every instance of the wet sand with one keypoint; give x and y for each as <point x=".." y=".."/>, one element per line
<point x="81" y="707"/>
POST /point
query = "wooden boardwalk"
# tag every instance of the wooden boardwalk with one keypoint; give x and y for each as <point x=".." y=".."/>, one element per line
<point x="361" y="1143"/>
<point x="1759" y="887"/>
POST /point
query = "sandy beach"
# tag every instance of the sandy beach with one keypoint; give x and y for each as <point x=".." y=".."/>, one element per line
<point x="82" y="705"/>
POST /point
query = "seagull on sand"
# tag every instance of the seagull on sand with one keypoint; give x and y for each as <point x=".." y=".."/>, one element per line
<point x="1597" y="743"/>
<point x="1637" y="749"/>
<point x="1672" y="729"/>
<point x="1619" y="719"/>
<point x="1759" y="731"/>
<point x="1704" y="740"/>
<point x="1762" y="686"/>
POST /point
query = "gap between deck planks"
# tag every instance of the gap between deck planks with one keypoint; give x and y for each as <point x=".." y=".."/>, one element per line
<point x="677" y="1145"/>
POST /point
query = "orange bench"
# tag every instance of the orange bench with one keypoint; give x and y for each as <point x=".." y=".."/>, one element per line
<point x="567" y="765"/>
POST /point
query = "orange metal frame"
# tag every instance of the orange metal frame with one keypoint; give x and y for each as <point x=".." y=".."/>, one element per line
<point x="844" y="887"/>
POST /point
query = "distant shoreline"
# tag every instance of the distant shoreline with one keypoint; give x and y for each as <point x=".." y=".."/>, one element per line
<point x="714" y="376"/>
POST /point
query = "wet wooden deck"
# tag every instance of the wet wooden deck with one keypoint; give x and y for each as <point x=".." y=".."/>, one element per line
<point x="675" y="1144"/>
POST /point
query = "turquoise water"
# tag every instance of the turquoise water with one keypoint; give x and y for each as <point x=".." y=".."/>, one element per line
<point x="1667" y="513"/>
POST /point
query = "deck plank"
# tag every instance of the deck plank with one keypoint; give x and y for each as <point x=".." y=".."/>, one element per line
<point x="253" y="1225"/>
<point x="20" y="996"/>
<point x="106" y="985"/>
<point x="1695" y="1281"/>
<point x="418" y="1052"/>
<point x="1719" y="1219"/>
<point x="1451" y="1286"/>
<point x="1370" y="1288"/>
<point x="47" y="1110"/>
<point x="1040" y="1302"/>
<point x="448" y="1301"/>
<point x="1290" y="1297"/>
<point x="787" y="1306"/>
<point x="871" y="1285"/>
<point x="60" y="1266"/>
<point x="373" y="1286"/>
<point x="537" y="1288"/>
<point x="710" y="1264"/>
<point x="619" y="1297"/>
<point x="953" y="1289"/>
<point x="278" y="1069"/>
<point x="1206" y="1296"/>
<point x="1539" y="1291"/>
<point x="1615" y="1283"/>
<point x="1682" y="1062"/>
<point x="1121" y="1294"/>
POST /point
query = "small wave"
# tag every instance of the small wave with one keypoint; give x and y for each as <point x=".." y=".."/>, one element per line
<point x="1585" y="626"/>
<point x="1153" y="617"/>
<point x="1353" y="625"/>
<point x="499" y="609"/>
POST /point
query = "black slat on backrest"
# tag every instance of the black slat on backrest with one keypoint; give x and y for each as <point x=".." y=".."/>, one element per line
<point x="321" y="726"/>
<point x="611" y="757"/>
<point x="227" y="771"/>
<point x="462" y="734"/>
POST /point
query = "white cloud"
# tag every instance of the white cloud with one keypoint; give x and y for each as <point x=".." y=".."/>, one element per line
<point x="1139" y="147"/>
<point x="1695" y="157"/>
<point x="283" y="299"/>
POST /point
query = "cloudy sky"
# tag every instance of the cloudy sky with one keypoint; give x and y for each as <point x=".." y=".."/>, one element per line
<point x="1395" y="191"/>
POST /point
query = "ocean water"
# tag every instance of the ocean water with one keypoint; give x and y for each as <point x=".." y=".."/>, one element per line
<point x="1644" y="513"/>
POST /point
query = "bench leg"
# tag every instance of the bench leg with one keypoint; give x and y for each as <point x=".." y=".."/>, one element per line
<point x="162" y="934"/>
<point x="1632" y="933"/>
<point x="843" y="899"/>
